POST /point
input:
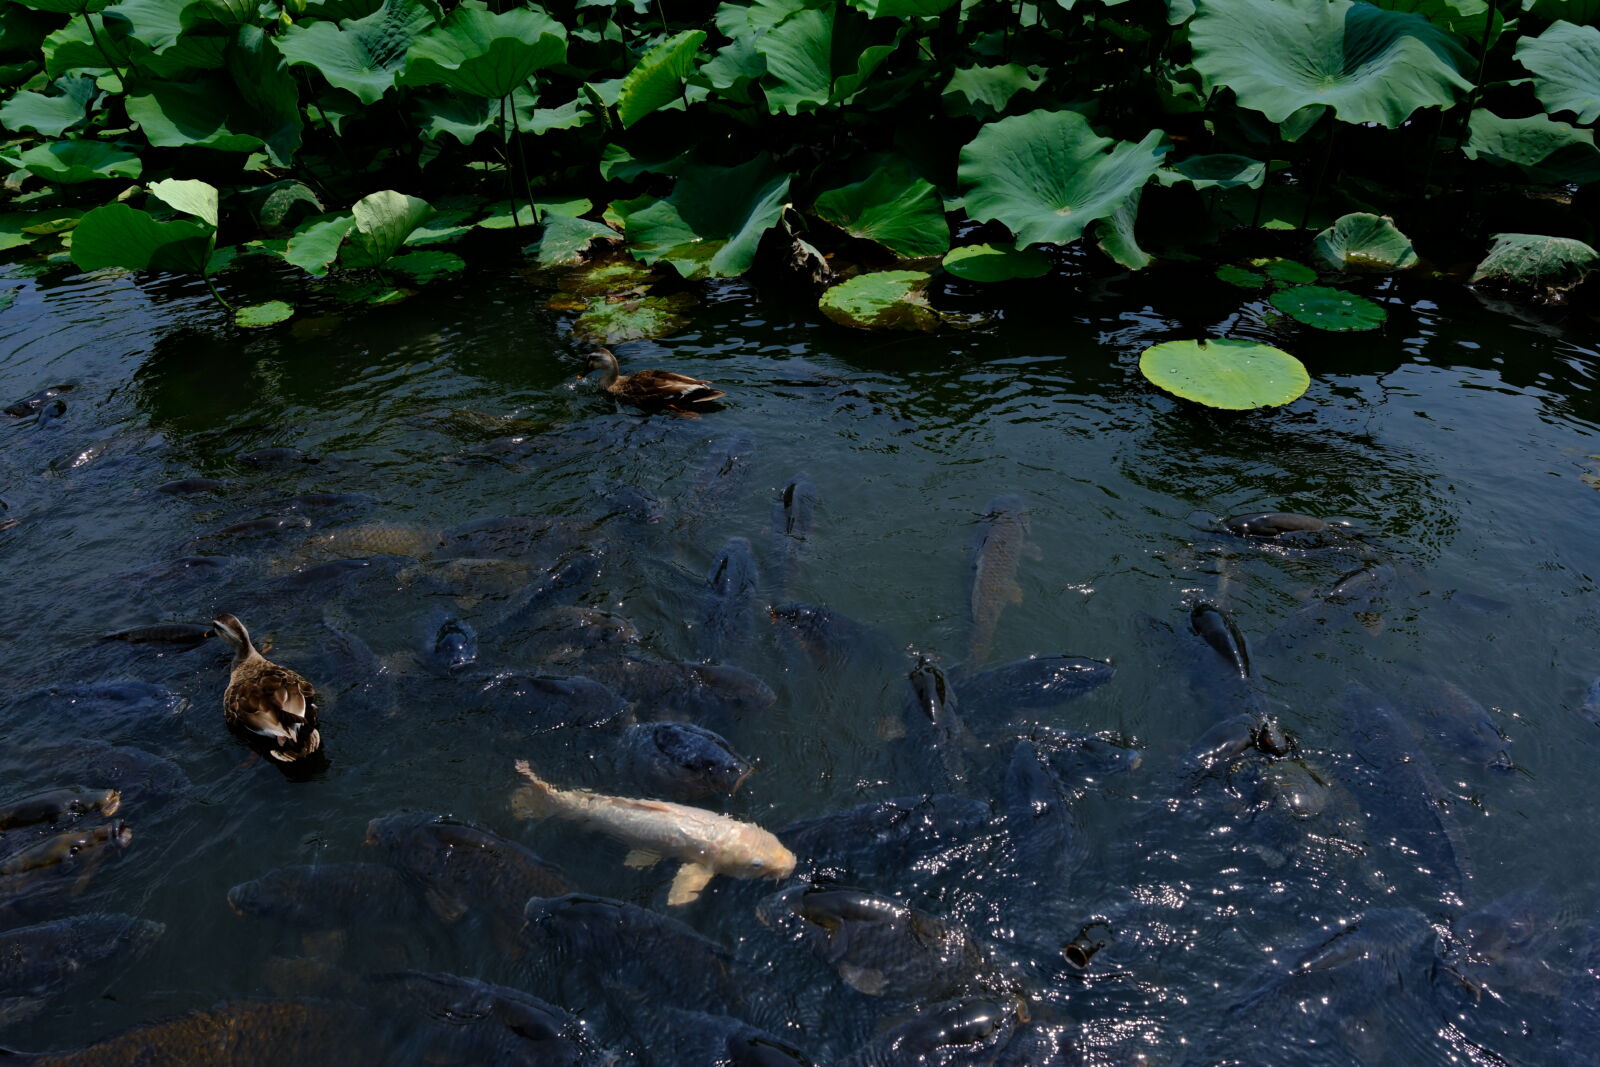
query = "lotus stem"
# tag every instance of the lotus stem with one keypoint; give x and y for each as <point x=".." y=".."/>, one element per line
<point x="505" y="156"/>
<point x="522" y="162"/>
<point x="1322" y="170"/>
<point x="88" y="20"/>
<point x="205" y="277"/>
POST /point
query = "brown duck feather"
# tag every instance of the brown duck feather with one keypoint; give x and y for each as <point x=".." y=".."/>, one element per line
<point x="273" y="705"/>
<point x="652" y="388"/>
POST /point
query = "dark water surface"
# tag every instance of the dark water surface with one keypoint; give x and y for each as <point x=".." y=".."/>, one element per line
<point x="1408" y="886"/>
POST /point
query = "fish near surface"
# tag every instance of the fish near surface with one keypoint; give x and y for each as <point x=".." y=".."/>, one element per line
<point x="463" y="868"/>
<point x="931" y="718"/>
<point x="143" y="779"/>
<point x="453" y="645"/>
<point x="706" y="843"/>
<point x="878" y="945"/>
<point x="327" y="896"/>
<point x="1037" y="683"/>
<point x="1218" y="630"/>
<point x="680" y="761"/>
<point x="690" y="689"/>
<point x="902" y="833"/>
<point x="532" y="700"/>
<point x="40" y="961"/>
<point x="71" y="849"/>
<point x="54" y="805"/>
<point x="1002" y="544"/>
<point x="186" y="634"/>
<point x="960" y="1033"/>
<point x="677" y="1038"/>
<point x="1450" y="716"/>
<point x="728" y="621"/>
<point x="793" y="517"/>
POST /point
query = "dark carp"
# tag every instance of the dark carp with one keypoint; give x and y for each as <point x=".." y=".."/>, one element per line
<point x="1002" y="543"/>
<point x="453" y="645"/>
<point x="728" y="619"/>
<point x="33" y="402"/>
<point x="55" y="805"/>
<point x="37" y="962"/>
<point x="327" y="896"/>
<point x="962" y="1033"/>
<point x="1217" y="629"/>
<point x="1038" y="683"/>
<point x="793" y="519"/>
<point x="185" y="634"/>
<point x="679" y="761"/>
<point x="539" y="702"/>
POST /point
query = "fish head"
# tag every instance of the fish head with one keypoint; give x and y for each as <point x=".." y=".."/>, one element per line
<point x="761" y="856"/>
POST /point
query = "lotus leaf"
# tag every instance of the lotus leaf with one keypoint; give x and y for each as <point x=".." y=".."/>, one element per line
<point x="272" y="204"/>
<point x="71" y="162"/>
<point x="984" y="92"/>
<point x="893" y="207"/>
<point x="73" y="47"/>
<point x="361" y="56"/>
<point x="1222" y="373"/>
<point x="508" y="216"/>
<point x="383" y="221"/>
<point x="7" y="298"/>
<point x="156" y="24"/>
<point x="816" y="57"/>
<point x="14" y="230"/>
<point x="566" y="240"/>
<point x="609" y="277"/>
<point x="50" y="115"/>
<point x="1368" y="64"/>
<point x="1565" y="61"/>
<point x="315" y="245"/>
<point x="441" y="227"/>
<point x="117" y="235"/>
<point x="1114" y="234"/>
<point x="711" y="224"/>
<point x="1464" y="18"/>
<point x="1535" y="261"/>
<point x="884" y="300"/>
<point x="1364" y="242"/>
<point x="995" y="263"/>
<point x="735" y="66"/>
<point x="485" y="54"/>
<point x="1329" y="309"/>
<point x="65" y="7"/>
<point x="55" y="220"/>
<point x="1216" y="172"/>
<point x="754" y="19"/>
<point x="568" y="116"/>
<point x="269" y="314"/>
<point x="1046" y="175"/>
<point x="611" y="322"/>
<point x="657" y="79"/>
<point x="376" y="293"/>
<point x="190" y="197"/>
<point x="1244" y="279"/>
<point x="1550" y="150"/>
<point x="1285" y="271"/>
<point x="201" y="114"/>
<point x="267" y="86"/>
<point x="427" y="266"/>
<point x="1579" y="12"/>
<point x="901" y="8"/>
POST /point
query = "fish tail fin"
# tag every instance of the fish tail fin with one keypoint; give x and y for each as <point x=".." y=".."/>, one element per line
<point x="533" y="800"/>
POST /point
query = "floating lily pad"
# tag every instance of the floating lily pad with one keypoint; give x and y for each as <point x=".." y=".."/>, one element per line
<point x="1237" y="375"/>
<point x="602" y="277"/>
<point x="1534" y="261"/>
<point x="884" y="300"/>
<point x="426" y="266"/>
<point x="1244" y="279"/>
<point x="268" y="314"/>
<point x="611" y="322"/>
<point x="996" y="263"/>
<point x="1285" y="271"/>
<point x="1329" y="309"/>
<point x="7" y="298"/>
<point x="1364" y="242"/>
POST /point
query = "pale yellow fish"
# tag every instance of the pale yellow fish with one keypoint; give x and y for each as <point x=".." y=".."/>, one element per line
<point x="706" y="843"/>
<point x="371" y="539"/>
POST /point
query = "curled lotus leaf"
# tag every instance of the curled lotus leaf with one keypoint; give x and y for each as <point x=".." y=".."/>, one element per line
<point x="486" y="54"/>
<point x="883" y="300"/>
<point x="361" y="56"/>
<point x="383" y="221"/>
<point x="892" y="207"/>
<point x="1222" y="373"/>
<point x="72" y="162"/>
<point x="1363" y="242"/>
<point x="1535" y="261"/>
<point x="657" y="79"/>
<point x="566" y="240"/>
<point x="1565" y="62"/>
<point x="1368" y="64"/>
<point x="1549" y="150"/>
<point x="1329" y="309"/>
<point x="427" y="266"/>
<point x="1220" y="171"/>
<point x="1046" y="175"/>
<point x="711" y="223"/>
<point x="996" y="263"/>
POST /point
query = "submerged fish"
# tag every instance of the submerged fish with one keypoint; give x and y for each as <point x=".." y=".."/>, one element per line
<point x="680" y="760"/>
<point x="1450" y="716"/>
<point x="793" y="515"/>
<point x="71" y="849"/>
<point x="326" y="896"/>
<point x="1270" y="524"/>
<point x="879" y="946"/>
<point x="1038" y="683"/>
<point x="464" y="1020"/>
<point x="1217" y="629"/>
<point x="140" y="777"/>
<point x="723" y="471"/>
<point x="462" y="867"/>
<point x="1001" y="546"/>
<point x="560" y="585"/>
<point x="728" y="622"/>
<point x="191" y="486"/>
<point x="453" y="645"/>
<point x="283" y="456"/>
<point x="372" y="539"/>
<point x="690" y="689"/>
<point x="187" y="634"/>
<point x="31" y="403"/>
<point x="39" y="961"/>
<point x="541" y="702"/>
<point x="56" y="804"/>
<point x="707" y="844"/>
<point x="1591" y="702"/>
<point x="964" y="1032"/>
<point x="676" y="1038"/>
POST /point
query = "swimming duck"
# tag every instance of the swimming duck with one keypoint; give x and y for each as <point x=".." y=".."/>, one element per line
<point x="273" y="705"/>
<point x="651" y="388"/>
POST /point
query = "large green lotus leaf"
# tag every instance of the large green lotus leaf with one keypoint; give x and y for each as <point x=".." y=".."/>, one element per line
<point x="568" y="116"/>
<point x="1215" y="172"/>
<point x="893" y="207"/>
<point x="900" y="9"/>
<point x="192" y="53"/>
<point x="73" y="47"/>
<point x="1114" y="234"/>
<point x="1046" y="175"/>
<point x="266" y="85"/>
<point x="427" y="266"/>
<point x="1329" y="309"/>
<point x="1368" y="64"/>
<point x="817" y="57"/>
<point x="732" y="70"/>
<point x="71" y="162"/>
<point x="50" y="115"/>
<point x="566" y="240"/>
<point x="1565" y="61"/>
<point x="1535" y="261"/>
<point x="191" y="197"/>
<point x="361" y="55"/>
<point x="462" y="117"/>
<point x="984" y="92"/>
<point x="315" y="245"/>
<point x="23" y="30"/>
<point x="201" y="114"/>
<point x="65" y="7"/>
<point x="883" y="300"/>
<point x="486" y="54"/>
<point x="995" y="263"/>
<point x="1221" y="373"/>
<point x="117" y="235"/>
<point x="1550" y="150"/>
<point x="383" y="222"/>
<point x="611" y="322"/>
<point x="156" y="24"/>
<point x="1577" y="12"/>
<point x="442" y="227"/>
<point x="1364" y="242"/>
<point x="1464" y="18"/>
<point x="711" y="224"/>
<point x="748" y="21"/>
<point x="657" y="79"/>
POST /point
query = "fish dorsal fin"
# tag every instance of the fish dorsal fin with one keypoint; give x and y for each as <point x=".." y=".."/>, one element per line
<point x="639" y="857"/>
<point x="686" y="886"/>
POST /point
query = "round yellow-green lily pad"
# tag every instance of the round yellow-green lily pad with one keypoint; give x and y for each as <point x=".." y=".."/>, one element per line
<point x="1222" y="373"/>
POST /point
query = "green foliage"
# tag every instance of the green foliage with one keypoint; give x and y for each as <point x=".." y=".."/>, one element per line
<point x="269" y="314"/>
<point x="1364" y="242"/>
<point x="657" y="79"/>
<point x="383" y="221"/>
<point x="117" y="235"/>
<point x="1545" y="149"/>
<point x="885" y="300"/>
<point x="1329" y="309"/>
<point x="566" y="240"/>
<point x="486" y="54"/>
<point x="993" y="263"/>
<point x="1534" y="261"/>
<point x="73" y="162"/>
<point x="711" y="223"/>
<point x="893" y="207"/>
<point x="50" y="114"/>
<point x="361" y="56"/>
<point x="1565" y="61"/>
<point x="1222" y="373"/>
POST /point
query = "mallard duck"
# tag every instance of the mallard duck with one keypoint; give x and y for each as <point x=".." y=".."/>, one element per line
<point x="273" y="705"/>
<point x="651" y="388"/>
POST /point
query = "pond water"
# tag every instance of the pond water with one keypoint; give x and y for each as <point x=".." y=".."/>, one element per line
<point x="1408" y="881"/>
